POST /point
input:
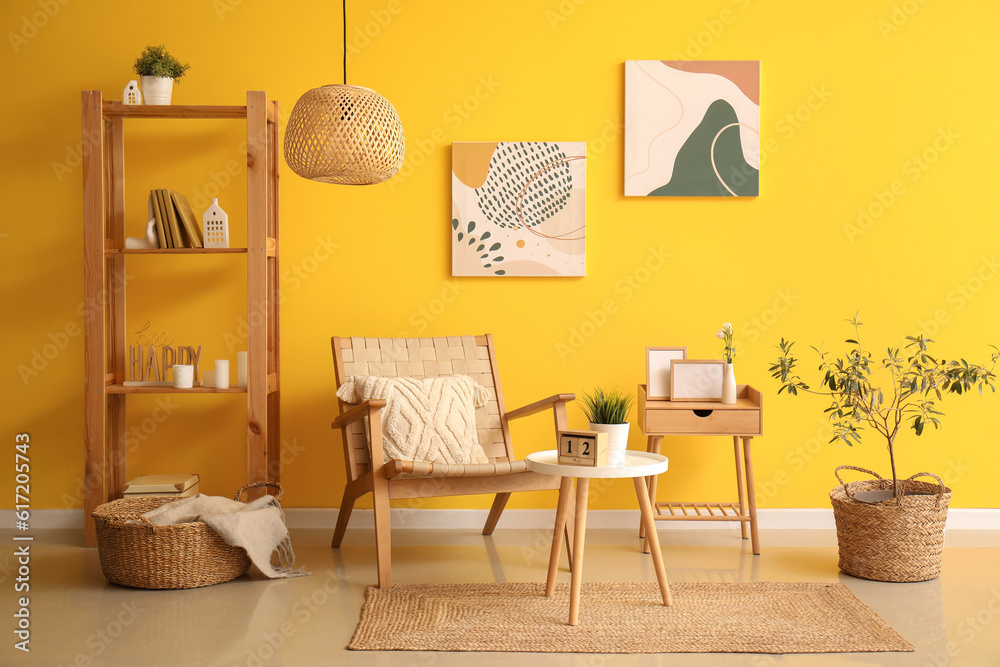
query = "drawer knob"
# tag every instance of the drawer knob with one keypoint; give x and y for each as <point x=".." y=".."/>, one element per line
<point x="703" y="413"/>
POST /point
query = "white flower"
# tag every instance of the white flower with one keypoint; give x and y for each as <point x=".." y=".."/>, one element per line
<point x="720" y="334"/>
<point x="727" y="327"/>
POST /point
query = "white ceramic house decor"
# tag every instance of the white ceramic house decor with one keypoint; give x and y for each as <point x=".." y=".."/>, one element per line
<point x="132" y="95"/>
<point x="149" y="242"/>
<point x="215" y="226"/>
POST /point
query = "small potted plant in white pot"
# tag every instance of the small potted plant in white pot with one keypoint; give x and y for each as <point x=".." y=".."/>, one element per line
<point x="607" y="411"/>
<point x="887" y="530"/>
<point x="158" y="70"/>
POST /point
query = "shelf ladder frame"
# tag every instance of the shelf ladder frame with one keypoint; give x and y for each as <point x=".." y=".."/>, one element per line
<point x="105" y="452"/>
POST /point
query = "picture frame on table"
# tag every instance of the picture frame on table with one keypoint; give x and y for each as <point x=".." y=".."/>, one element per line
<point x="696" y="379"/>
<point x="658" y="370"/>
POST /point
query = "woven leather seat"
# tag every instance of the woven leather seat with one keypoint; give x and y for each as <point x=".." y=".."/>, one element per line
<point x="368" y="471"/>
<point x="398" y="469"/>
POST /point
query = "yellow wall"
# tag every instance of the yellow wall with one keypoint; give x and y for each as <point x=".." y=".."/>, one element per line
<point x="853" y="95"/>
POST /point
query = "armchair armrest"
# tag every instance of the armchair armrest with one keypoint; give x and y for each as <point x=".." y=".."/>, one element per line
<point x="557" y="400"/>
<point x="357" y="412"/>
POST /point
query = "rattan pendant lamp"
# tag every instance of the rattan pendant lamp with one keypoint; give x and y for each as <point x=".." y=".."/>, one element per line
<point x="344" y="134"/>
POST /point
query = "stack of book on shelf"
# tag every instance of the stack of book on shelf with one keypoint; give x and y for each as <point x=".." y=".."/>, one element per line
<point x="173" y="486"/>
<point x="176" y="226"/>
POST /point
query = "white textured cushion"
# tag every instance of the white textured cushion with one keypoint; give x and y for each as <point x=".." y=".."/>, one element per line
<point x="431" y="420"/>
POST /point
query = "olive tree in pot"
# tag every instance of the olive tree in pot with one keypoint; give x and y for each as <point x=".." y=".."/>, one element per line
<point x="607" y="411"/>
<point x="887" y="531"/>
<point x="158" y="69"/>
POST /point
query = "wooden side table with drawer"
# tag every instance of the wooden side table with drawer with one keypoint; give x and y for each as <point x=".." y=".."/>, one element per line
<point x="741" y="420"/>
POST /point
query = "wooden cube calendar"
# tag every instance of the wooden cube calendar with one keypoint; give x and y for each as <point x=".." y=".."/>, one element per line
<point x="583" y="448"/>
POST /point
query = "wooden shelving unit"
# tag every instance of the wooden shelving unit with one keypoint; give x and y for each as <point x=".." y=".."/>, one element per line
<point x="105" y="362"/>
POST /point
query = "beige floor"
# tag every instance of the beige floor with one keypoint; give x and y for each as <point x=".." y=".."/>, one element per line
<point x="80" y="619"/>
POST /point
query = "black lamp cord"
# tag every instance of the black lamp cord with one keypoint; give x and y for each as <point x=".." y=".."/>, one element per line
<point x="344" y="4"/>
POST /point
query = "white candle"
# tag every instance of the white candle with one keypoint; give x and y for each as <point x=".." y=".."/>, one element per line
<point x="241" y="370"/>
<point x="222" y="373"/>
<point x="183" y="376"/>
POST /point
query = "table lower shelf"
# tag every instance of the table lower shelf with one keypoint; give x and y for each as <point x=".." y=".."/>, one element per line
<point x="699" y="511"/>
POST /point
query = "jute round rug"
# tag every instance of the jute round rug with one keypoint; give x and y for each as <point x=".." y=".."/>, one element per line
<point x="745" y="617"/>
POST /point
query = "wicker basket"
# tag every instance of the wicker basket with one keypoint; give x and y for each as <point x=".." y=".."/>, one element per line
<point x="185" y="555"/>
<point x="899" y="539"/>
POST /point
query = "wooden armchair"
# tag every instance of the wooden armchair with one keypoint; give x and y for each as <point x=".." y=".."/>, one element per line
<point x="387" y="480"/>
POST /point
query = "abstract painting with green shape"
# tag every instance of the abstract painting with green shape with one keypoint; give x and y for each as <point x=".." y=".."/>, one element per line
<point x="701" y="169"/>
<point x="692" y="128"/>
<point x="518" y="208"/>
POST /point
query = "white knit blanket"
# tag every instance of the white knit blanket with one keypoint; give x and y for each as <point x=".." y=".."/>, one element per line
<point x="257" y="526"/>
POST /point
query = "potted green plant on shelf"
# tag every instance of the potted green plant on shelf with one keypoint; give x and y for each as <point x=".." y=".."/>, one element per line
<point x="607" y="411"/>
<point x="158" y="69"/>
<point x="886" y="530"/>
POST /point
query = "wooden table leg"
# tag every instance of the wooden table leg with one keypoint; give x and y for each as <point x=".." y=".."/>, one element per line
<point x="579" y="532"/>
<point x="744" y="528"/>
<point x="562" y="509"/>
<point x="653" y="446"/>
<point x="751" y="497"/>
<point x="642" y="494"/>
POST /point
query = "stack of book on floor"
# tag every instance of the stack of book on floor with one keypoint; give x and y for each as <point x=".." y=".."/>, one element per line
<point x="174" y="486"/>
<point x="176" y="226"/>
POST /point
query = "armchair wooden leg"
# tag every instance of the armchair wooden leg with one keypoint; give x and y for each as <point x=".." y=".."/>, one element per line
<point x="352" y="492"/>
<point x="383" y="543"/>
<point x="343" y="516"/>
<point x="499" y="502"/>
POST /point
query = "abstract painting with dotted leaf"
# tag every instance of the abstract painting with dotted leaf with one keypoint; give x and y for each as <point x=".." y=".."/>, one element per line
<point x="519" y="208"/>
<point x="692" y="128"/>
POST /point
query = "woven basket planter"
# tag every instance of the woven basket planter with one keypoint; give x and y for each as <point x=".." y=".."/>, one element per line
<point x="895" y="540"/>
<point x="185" y="555"/>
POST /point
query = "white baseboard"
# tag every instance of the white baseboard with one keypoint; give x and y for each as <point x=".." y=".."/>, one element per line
<point x="44" y="519"/>
<point x="439" y="519"/>
<point x="442" y="519"/>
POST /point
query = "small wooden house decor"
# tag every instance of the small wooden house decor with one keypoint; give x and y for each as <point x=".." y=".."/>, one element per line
<point x="215" y="226"/>
<point x="132" y="95"/>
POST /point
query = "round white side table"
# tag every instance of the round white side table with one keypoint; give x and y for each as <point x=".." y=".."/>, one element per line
<point x="638" y="466"/>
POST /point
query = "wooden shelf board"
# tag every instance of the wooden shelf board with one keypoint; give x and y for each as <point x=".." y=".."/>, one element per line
<point x="117" y="109"/>
<point x="699" y="511"/>
<point x="746" y="398"/>
<point x="691" y="517"/>
<point x="175" y="251"/>
<point x="121" y="389"/>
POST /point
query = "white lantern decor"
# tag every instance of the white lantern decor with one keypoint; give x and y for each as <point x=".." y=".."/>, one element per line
<point x="132" y="95"/>
<point x="215" y="226"/>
